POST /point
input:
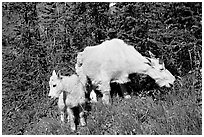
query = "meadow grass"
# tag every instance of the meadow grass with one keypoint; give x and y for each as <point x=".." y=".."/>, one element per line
<point x="178" y="112"/>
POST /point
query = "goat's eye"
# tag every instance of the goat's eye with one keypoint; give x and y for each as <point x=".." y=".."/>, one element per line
<point x="162" y="69"/>
<point x="54" y="85"/>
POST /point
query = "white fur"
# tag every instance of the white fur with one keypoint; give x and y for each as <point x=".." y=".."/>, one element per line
<point x="74" y="95"/>
<point x="113" y="61"/>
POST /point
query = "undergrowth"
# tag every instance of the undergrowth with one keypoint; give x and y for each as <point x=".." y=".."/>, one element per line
<point x="178" y="113"/>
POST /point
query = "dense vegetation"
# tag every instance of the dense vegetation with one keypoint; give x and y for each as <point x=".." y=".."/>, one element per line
<point x="40" y="37"/>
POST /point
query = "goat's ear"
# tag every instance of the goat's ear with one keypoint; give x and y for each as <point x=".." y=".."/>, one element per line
<point x="54" y="73"/>
<point x="59" y="74"/>
<point x="151" y="54"/>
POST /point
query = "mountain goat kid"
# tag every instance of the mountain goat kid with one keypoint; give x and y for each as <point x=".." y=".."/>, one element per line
<point x="71" y="94"/>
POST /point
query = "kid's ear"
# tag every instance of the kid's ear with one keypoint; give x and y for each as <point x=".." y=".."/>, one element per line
<point x="151" y="54"/>
<point x="161" y="61"/>
<point x="59" y="74"/>
<point x="54" y="73"/>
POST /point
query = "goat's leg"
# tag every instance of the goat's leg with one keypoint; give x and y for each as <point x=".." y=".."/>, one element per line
<point x="61" y="106"/>
<point x="71" y="118"/>
<point x="62" y="116"/>
<point x="90" y="90"/>
<point x="93" y="96"/>
<point x="82" y="119"/>
<point x="106" y="97"/>
<point x="105" y="89"/>
<point x="123" y="88"/>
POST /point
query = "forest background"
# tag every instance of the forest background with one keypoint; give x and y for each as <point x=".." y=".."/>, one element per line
<point x="40" y="37"/>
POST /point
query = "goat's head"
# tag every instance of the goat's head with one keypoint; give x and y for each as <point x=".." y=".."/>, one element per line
<point x="55" y="84"/>
<point x="159" y="73"/>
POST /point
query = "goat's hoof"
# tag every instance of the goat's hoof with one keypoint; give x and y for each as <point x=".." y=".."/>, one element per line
<point x="127" y="96"/>
<point x="93" y="101"/>
<point x="83" y="123"/>
<point x="62" y="121"/>
<point x="73" y="128"/>
<point x="106" y="100"/>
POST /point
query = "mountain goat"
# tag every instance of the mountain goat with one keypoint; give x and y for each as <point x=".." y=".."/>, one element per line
<point x="113" y="61"/>
<point x="71" y="94"/>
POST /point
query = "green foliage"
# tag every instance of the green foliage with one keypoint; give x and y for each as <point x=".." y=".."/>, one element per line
<point x="40" y="37"/>
<point x="179" y="112"/>
<point x="172" y="31"/>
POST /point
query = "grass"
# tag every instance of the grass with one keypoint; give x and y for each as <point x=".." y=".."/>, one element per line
<point x="179" y="112"/>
